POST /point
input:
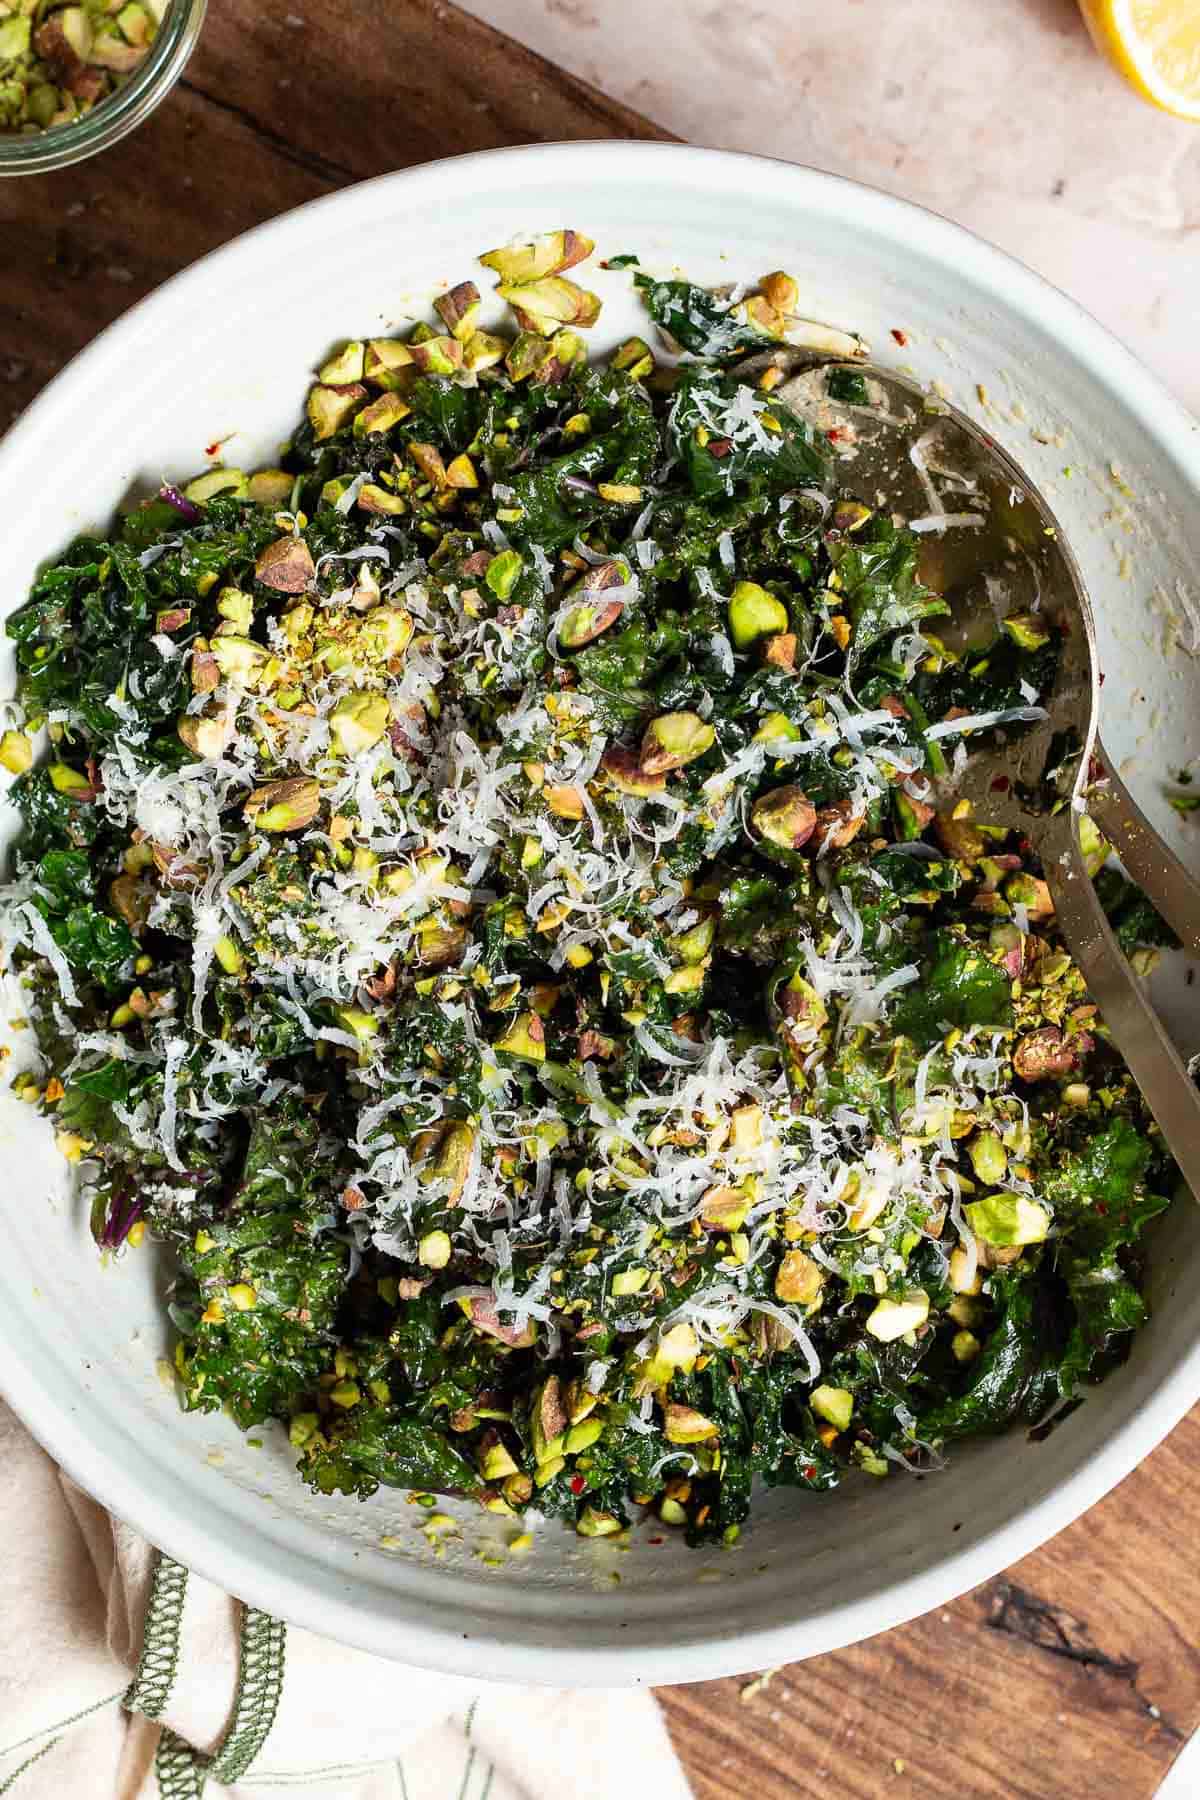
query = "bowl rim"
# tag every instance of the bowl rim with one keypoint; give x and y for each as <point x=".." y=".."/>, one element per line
<point x="280" y="1580"/>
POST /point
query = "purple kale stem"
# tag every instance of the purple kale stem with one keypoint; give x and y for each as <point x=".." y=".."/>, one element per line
<point x="174" y="498"/>
<point x="120" y="1223"/>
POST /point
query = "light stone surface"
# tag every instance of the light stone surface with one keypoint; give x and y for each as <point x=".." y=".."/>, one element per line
<point x="997" y="113"/>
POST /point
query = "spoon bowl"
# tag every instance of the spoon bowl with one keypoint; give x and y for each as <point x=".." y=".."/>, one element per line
<point x="996" y="553"/>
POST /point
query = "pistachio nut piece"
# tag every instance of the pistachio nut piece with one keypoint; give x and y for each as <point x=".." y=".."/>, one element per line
<point x="798" y="1278"/>
<point x="684" y="1425"/>
<point x="548" y="1420"/>
<point x="287" y="805"/>
<point x="566" y="349"/>
<point x="286" y="565"/>
<point x="893" y="1319"/>
<point x="239" y="659"/>
<point x="784" y="816"/>
<point x="461" y="473"/>
<point x="592" y="615"/>
<point x="16" y="752"/>
<point x="329" y="408"/>
<point x="270" y="487"/>
<point x="206" y="737"/>
<point x="215" y="482"/>
<point x="526" y="1038"/>
<point x="1006" y="1219"/>
<point x="459" y="310"/>
<point x="754" y="613"/>
<point x="780" y="290"/>
<point x="989" y="1159"/>
<point x="380" y="415"/>
<point x="593" y="1523"/>
<point x="448" y="1156"/>
<point x="549" y="255"/>
<point x="483" y="350"/>
<point x="673" y="740"/>
<point x="635" y="357"/>
<point x="358" y="721"/>
<point x="627" y="775"/>
<point x="724" y="1209"/>
<point x="375" y="499"/>
<point x="527" y="355"/>
<point x="345" y="365"/>
<point x="959" y="838"/>
<point x="1043" y="1054"/>
<point x="834" y="1404"/>
<point x="503" y="573"/>
<point x="438" y="355"/>
<point x="542" y="306"/>
<point x="384" y="360"/>
<point x="429" y="461"/>
<point x="1029" y="631"/>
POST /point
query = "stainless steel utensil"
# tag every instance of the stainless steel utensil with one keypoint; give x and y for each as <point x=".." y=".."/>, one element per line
<point x="916" y="455"/>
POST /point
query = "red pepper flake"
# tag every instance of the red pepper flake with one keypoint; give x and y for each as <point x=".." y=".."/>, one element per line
<point x="809" y="1472"/>
<point x="1100" y="678"/>
<point x="720" y="447"/>
<point x="656" y="1540"/>
<point x="212" y="449"/>
<point x="577" y="1484"/>
<point x="1000" y="784"/>
<point x="836" y="435"/>
<point x="901" y="337"/>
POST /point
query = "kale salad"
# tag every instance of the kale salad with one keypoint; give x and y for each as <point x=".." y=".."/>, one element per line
<point x="494" y="907"/>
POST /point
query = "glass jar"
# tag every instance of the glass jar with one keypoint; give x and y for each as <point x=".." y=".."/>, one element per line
<point x="60" y="145"/>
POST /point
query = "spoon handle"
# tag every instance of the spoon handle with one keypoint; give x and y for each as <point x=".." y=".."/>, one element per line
<point x="1137" y="1031"/>
<point x="1155" y="868"/>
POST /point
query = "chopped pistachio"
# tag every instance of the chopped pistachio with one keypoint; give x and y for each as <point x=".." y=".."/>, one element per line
<point x="1007" y="1219"/>
<point x="684" y="1425"/>
<point x="549" y="255"/>
<point x="893" y="1319"/>
<point x="215" y="482"/>
<point x="286" y="565"/>
<point x="673" y="740"/>
<point x="784" y="816"/>
<point x="754" y="613"/>
<point x="799" y="1279"/>
<point x="525" y="1038"/>
<point x="16" y="752"/>
<point x="380" y="415"/>
<point x="329" y="408"/>
<point x="836" y="1404"/>
<point x="285" y="805"/>
<point x="358" y="721"/>
<point x="434" y="1251"/>
<point x="344" y="366"/>
<point x="543" y="305"/>
<point x="503" y="573"/>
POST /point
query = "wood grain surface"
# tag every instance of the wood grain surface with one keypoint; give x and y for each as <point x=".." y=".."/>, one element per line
<point x="1075" y="1676"/>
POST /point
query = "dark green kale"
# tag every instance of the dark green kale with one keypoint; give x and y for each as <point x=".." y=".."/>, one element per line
<point x="715" y="429"/>
<point x="959" y="986"/>
<point x="698" y="320"/>
<point x="375" y="1446"/>
<point x="878" y="585"/>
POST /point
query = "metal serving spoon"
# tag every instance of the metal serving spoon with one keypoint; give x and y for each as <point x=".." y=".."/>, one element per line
<point x="1038" y="779"/>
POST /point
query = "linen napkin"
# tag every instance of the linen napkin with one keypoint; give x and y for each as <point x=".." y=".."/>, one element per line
<point x="125" y="1677"/>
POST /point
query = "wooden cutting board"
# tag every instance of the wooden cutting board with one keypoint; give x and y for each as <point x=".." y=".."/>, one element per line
<point x="1078" y="1674"/>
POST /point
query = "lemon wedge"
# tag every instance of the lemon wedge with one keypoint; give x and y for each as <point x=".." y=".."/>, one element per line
<point x="1156" y="46"/>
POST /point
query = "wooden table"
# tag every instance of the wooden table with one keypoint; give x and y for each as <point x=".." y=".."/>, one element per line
<point x="1077" y="1674"/>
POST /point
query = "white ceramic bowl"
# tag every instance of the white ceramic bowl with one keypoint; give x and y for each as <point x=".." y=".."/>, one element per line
<point x="226" y="349"/>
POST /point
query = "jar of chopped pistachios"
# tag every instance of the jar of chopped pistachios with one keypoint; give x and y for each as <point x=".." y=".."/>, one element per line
<point x="76" y="75"/>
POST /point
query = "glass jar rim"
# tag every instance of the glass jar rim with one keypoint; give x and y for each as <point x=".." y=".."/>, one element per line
<point x="59" y="146"/>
